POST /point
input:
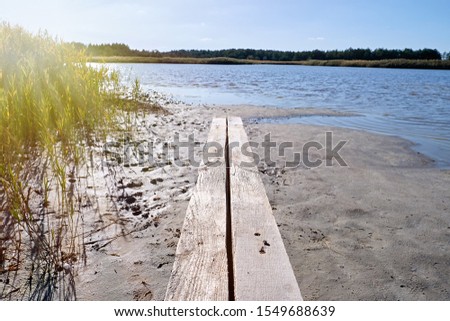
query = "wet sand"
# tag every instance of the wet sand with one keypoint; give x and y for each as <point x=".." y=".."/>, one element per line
<point x="378" y="229"/>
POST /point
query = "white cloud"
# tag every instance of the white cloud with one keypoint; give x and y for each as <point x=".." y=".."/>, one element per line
<point x="206" y="39"/>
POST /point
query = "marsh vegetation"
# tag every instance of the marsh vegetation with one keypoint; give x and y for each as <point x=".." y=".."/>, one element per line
<point x="54" y="106"/>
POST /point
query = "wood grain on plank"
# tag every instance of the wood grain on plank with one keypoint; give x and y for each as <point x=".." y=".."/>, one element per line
<point x="262" y="270"/>
<point x="200" y="269"/>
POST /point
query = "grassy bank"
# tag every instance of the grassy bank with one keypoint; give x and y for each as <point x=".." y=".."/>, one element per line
<point x="387" y="63"/>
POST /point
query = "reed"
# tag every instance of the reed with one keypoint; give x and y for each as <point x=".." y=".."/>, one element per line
<point x="53" y="106"/>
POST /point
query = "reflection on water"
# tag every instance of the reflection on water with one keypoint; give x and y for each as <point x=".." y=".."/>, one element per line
<point x="414" y="104"/>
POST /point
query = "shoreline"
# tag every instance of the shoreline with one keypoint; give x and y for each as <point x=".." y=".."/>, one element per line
<point x="385" y="63"/>
<point x="421" y="148"/>
<point x="267" y="115"/>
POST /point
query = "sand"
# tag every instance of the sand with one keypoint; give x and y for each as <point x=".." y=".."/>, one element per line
<point x="130" y="254"/>
<point x="377" y="229"/>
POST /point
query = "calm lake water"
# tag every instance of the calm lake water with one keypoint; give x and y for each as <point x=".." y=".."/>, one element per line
<point x="413" y="104"/>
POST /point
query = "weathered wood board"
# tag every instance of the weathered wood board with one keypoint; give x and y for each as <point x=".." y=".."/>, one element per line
<point x="200" y="270"/>
<point x="262" y="270"/>
<point x="230" y="246"/>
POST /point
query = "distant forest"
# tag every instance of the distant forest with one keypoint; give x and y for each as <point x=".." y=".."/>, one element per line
<point x="118" y="49"/>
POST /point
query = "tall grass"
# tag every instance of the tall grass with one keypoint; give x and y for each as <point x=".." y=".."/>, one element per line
<point x="50" y="92"/>
<point x="52" y="105"/>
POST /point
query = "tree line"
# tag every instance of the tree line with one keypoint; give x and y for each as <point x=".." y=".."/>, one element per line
<point x="275" y="55"/>
<point x="119" y="49"/>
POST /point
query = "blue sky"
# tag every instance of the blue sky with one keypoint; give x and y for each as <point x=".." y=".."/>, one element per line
<point x="207" y="24"/>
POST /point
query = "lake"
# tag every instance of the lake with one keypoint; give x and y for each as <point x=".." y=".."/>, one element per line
<point x="413" y="104"/>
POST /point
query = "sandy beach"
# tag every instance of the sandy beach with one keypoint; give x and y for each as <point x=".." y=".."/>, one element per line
<point x="376" y="229"/>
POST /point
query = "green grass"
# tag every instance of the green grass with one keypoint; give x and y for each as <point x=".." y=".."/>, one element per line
<point x="53" y="106"/>
<point x="50" y="97"/>
<point x="387" y="63"/>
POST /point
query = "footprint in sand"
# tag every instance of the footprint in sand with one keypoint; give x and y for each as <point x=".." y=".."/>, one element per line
<point x="155" y="181"/>
<point x="142" y="294"/>
<point x="135" y="183"/>
<point x="136" y="210"/>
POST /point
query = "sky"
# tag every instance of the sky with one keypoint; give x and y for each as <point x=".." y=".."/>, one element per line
<point x="260" y="24"/>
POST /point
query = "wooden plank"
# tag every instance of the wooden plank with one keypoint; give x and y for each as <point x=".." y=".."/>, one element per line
<point x="262" y="270"/>
<point x="200" y="269"/>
